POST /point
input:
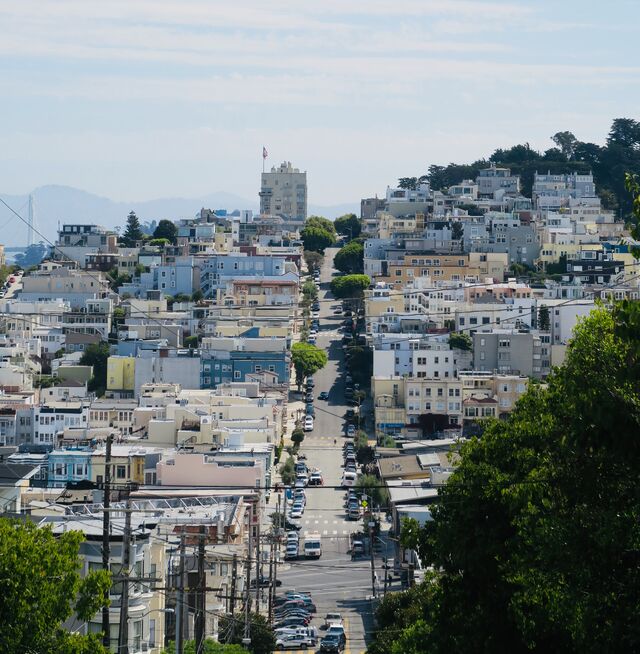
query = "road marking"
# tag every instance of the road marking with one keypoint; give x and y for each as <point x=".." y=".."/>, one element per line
<point x="335" y="533"/>
<point x="326" y="522"/>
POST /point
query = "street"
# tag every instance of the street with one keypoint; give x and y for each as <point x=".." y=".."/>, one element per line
<point x="336" y="583"/>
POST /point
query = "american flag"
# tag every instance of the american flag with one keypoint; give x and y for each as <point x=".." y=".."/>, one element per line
<point x="265" y="154"/>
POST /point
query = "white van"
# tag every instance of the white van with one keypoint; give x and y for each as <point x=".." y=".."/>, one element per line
<point x="349" y="479"/>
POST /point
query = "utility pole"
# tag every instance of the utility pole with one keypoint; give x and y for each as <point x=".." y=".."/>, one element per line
<point x="386" y="575"/>
<point x="246" y="640"/>
<point x="201" y="594"/>
<point x="234" y="574"/>
<point x="373" y="568"/>
<point x="271" y="581"/>
<point x="106" y="628"/>
<point x="258" y="567"/>
<point x="180" y="599"/>
<point x="123" y="633"/>
<point x="276" y="546"/>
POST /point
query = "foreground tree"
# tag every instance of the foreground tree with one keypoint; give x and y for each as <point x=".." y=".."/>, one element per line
<point x="350" y="258"/>
<point x="41" y="588"/>
<point x="536" y="534"/>
<point x="262" y="639"/>
<point x="307" y="360"/>
<point x="210" y="646"/>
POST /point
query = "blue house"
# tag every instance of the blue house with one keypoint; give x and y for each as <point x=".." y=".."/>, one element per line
<point x="69" y="465"/>
<point x="220" y="366"/>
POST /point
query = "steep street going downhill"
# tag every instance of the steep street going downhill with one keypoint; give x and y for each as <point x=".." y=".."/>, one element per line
<point x="335" y="581"/>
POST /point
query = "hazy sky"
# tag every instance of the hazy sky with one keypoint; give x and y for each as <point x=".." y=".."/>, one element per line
<point x="137" y="99"/>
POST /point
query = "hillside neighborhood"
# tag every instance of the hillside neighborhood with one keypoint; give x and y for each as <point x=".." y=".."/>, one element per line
<point x="241" y="412"/>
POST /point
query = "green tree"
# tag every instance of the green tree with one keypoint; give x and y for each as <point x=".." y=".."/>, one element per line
<point x="544" y="321"/>
<point x="41" y="588"/>
<point x="457" y="230"/>
<point x="96" y="355"/>
<point x="567" y="143"/>
<point x="350" y="286"/>
<point x="312" y="259"/>
<point x="350" y="258"/>
<point x="166" y="229"/>
<point x="307" y="360"/>
<point x="32" y="256"/>
<point x="317" y="239"/>
<point x="460" y="341"/>
<point x="287" y="471"/>
<point x="348" y="224"/>
<point x="410" y="183"/>
<point x="159" y="242"/>
<point x="263" y="641"/>
<point x="320" y="222"/>
<point x="374" y="488"/>
<point x="132" y="233"/>
<point x="210" y="647"/>
<point x="297" y="437"/>
<point x="535" y="535"/>
<point x="309" y="290"/>
<point x="197" y="296"/>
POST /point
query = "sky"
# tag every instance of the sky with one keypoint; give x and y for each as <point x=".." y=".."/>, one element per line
<point x="140" y="99"/>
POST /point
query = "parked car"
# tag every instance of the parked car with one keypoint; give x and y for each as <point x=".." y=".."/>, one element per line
<point x="295" y="641"/>
<point x="331" y="643"/>
<point x="332" y="618"/>
<point x="351" y="430"/>
<point x="309" y="410"/>
<point x="308" y="423"/>
<point x="308" y="398"/>
<point x="291" y="552"/>
<point x="323" y="396"/>
<point x="315" y="479"/>
<point x="290" y="622"/>
<point x="337" y="630"/>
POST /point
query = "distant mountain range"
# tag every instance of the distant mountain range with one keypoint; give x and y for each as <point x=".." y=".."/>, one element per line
<point x="55" y="205"/>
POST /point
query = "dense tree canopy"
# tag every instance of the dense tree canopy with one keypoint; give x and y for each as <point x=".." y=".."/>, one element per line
<point x="262" y="638"/>
<point x="321" y="223"/>
<point x="350" y="258"/>
<point x="166" y="229"/>
<point x="350" y="286"/>
<point x="41" y="587"/>
<point x="317" y="239"/>
<point x="96" y="355"/>
<point x="536" y="535"/>
<point x="312" y="259"/>
<point x="307" y="360"/>
<point x="210" y="646"/>
<point x="609" y="163"/>
<point x="348" y="224"/>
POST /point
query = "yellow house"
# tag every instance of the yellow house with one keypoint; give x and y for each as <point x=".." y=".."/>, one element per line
<point x="121" y="373"/>
<point x="127" y="465"/>
<point x="551" y="252"/>
<point x="449" y="267"/>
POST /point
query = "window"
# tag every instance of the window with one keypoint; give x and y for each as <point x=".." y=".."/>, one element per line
<point x="137" y="635"/>
<point x="258" y="368"/>
<point x="237" y="374"/>
<point x="121" y="472"/>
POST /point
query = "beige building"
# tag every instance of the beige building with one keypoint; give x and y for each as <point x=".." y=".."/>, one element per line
<point x="283" y="192"/>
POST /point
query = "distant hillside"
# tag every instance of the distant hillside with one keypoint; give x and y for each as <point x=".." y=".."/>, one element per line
<point x="609" y="163"/>
<point x="59" y="204"/>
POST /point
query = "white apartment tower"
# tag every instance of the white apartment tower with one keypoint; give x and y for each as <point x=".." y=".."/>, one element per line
<point x="283" y="192"/>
